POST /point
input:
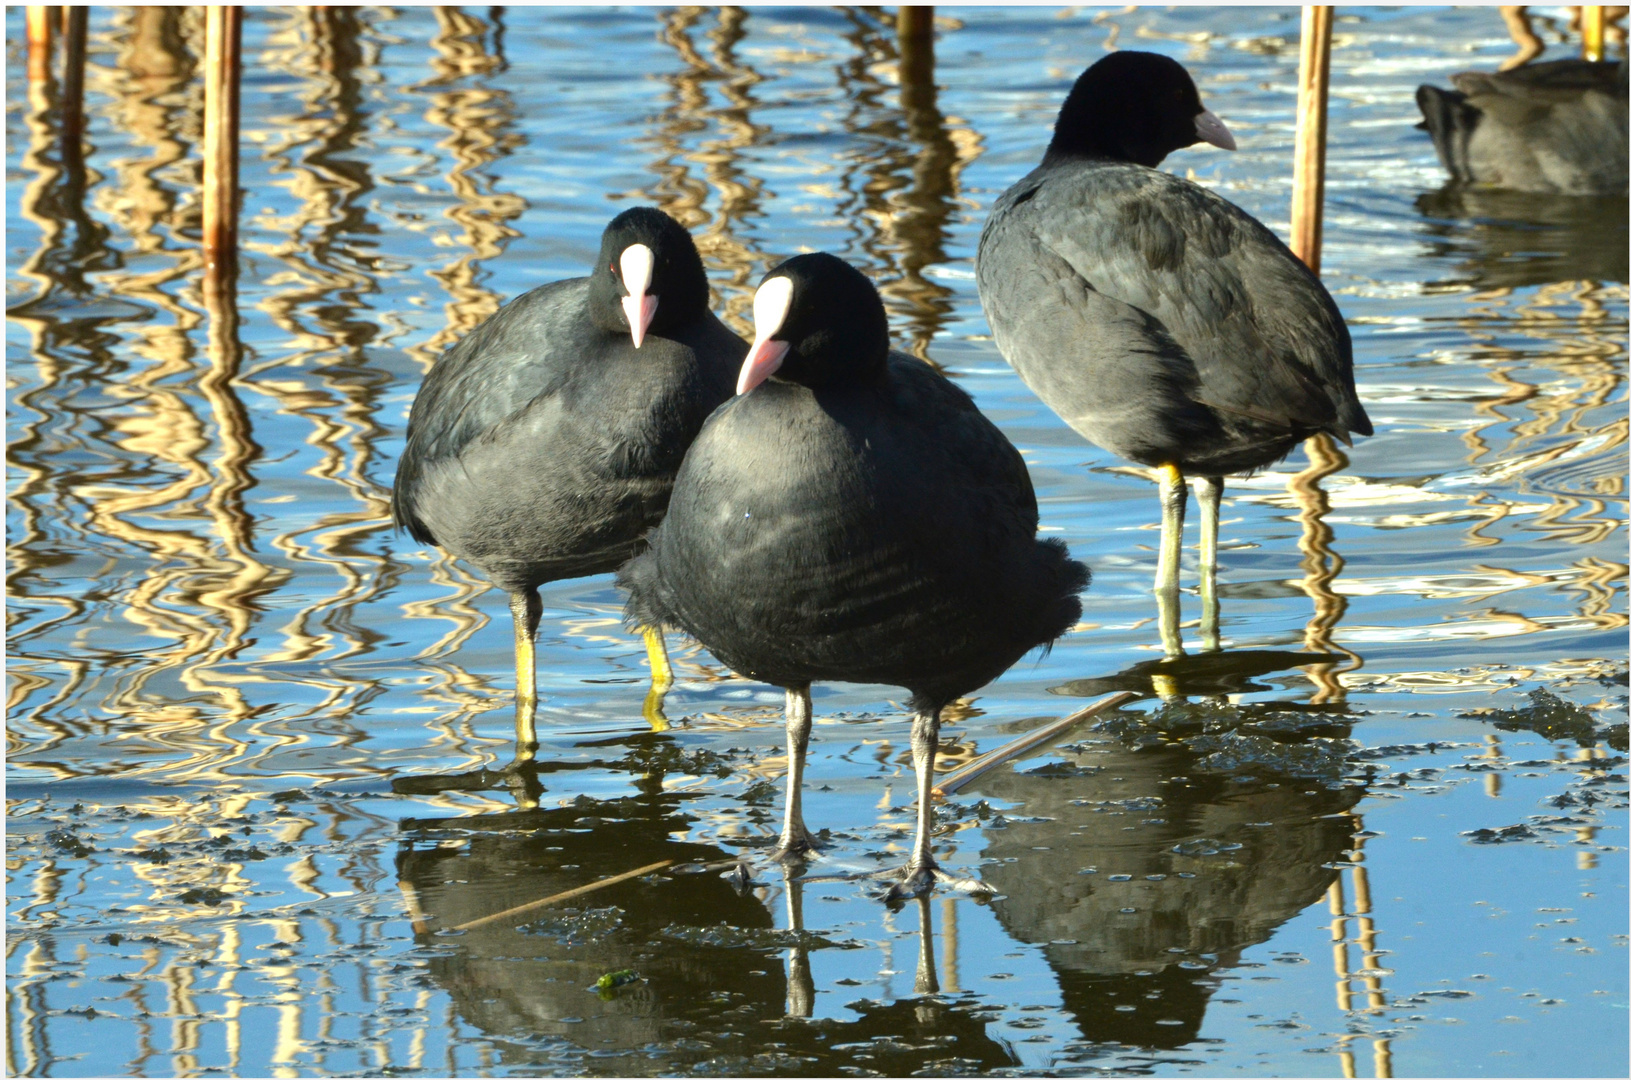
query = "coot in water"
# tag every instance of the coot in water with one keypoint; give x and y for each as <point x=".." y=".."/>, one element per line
<point x="1159" y="320"/>
<point x="544" y="444"/>
<point x="1552" y="128"/>
<point x="852" y="518"/>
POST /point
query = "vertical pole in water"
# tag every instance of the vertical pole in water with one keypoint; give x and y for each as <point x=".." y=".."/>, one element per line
<point x="73" y="87"/>
<point x="223" y="34"/>
<point x="70" y="111"/>
<point x="1592" y="26"/>
<point x="39" y="43"/>
<point x="1308" y="172"/>
<point x="914" y="24"/>
<point x="222" y="64"/>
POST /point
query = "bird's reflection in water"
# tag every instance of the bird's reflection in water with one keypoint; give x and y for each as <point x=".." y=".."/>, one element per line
<point x="719" y="985"/>
<point x="1513" y="239"/>
<point x="533" y="975"/>
<point x="1212" y="674"/>
<point x="1145" y="867"/>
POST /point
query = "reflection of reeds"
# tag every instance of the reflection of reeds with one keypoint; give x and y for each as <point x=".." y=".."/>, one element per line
<point x="69" y="352"/>
<point x="480" y="130"/>
<point x="1321" y="566"/>
<point x="901" y="181"/>
<point x="1571" y="429"/>
<point x="200" y="595"/>
<point x="1370" y="974"/>
<point x="322" y="286"/>
<point x="687" y="118"/>
<point x="480" y="122"/>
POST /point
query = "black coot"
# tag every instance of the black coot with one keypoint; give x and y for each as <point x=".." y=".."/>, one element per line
<point x="1159" y="320"/>
<point x="544" y="444"/>
<point x="853" y="518"/>
<point x="1555" y="128"/>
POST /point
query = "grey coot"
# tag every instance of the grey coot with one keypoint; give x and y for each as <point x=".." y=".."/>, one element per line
<point x="543" y="445"/>
<point x="1553" y="128"/>
<point x="853" y="518"/>
<point x="1159" y="320"/>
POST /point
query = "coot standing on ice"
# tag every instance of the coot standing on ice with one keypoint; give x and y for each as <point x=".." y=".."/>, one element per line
<point x="544" y="444"/>
<point x="1159" y="320"/>
<point x="852" y="518"/>
<point x="1554" y="128"/>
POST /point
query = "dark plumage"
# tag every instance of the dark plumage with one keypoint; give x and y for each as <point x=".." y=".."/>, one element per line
<point x="1555" y="128"/>
<point x="544" y="444"/>
<point x="1159" y="320"/>
<point x="854" y="518"/>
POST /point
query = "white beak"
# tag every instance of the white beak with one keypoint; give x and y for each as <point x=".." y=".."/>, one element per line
<point x="770" y="306"/>
<point x="1211" y="129"/>
<point x="635" y="263"/>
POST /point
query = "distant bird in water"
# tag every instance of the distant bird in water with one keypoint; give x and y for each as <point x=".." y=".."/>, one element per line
<point x="1554" y="128"/>
<point x="545" y="443"/>
<point x="852" y="516"/>
<point x="1159" y="320"/>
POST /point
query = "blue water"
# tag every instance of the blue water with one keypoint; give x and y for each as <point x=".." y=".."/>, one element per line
<point x="236" y="694"/>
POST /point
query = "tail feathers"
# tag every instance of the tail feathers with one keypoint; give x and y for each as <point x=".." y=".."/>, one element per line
<point x="1352" y="420"/>
<point x="1069" y="579"/>
<point x="648" y="604"/>
<point x="403" y="517"/>
<point x="1450" y="120"/>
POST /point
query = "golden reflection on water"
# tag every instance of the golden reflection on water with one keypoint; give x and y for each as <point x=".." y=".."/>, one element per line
<point x="899" y="190"/>
<point x="481" y="125"/>
<point x="690" y="133"/>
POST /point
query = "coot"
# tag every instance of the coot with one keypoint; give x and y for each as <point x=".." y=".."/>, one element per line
<point x="1555" y="128"/>
<point x="851" y="515"/>
<point x="544" y="444"/>
<point x="1159" y="320"/>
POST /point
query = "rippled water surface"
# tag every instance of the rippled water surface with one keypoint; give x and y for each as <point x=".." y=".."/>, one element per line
<point x="257" y="813"/>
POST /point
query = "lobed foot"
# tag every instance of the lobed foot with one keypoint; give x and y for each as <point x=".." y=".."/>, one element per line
<point x="796" y="845"/>
<point x="919" y="878"/>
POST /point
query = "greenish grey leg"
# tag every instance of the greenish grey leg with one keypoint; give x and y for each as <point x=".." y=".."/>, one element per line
<point x="662" y="677"/>
<point x="922" y="871"/>
<point x="525" y="610"/>
<point x="928" y="980"/>
<point x="1209" y="494"/>
<point x="1174" y="495"/>
<point x="796" y="841"/>
<point x="800" y="982"/>
<point x="921" y="868"/>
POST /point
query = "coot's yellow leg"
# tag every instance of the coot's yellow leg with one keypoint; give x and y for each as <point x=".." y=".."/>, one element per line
<point x="662" y="677"/>
<point x="525" y="609"/>
<point x="1209" y="494"/>
<point x="1173" y="497"/>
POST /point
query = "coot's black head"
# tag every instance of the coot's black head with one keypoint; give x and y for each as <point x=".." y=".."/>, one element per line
<point x="818" y="321"/>
<point x="1134" y="106"/>
<point x="648" y="278"/>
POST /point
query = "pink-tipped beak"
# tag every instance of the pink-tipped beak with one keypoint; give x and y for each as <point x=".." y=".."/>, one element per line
<point x="639" y="308"/>
<point x="1208" y="128"/>
<point x="771" y="301"/>
<point x="761" y="363"/>
<point x="636" y="263"/>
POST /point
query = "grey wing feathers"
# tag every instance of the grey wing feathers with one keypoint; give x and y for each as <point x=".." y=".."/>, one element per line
<point x="1088" y="330"/>
<point x="491" y="374"/>
<point x="1265" y="337"/>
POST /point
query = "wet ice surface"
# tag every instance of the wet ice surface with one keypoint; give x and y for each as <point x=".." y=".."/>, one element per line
<point x="237" y="697"/>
